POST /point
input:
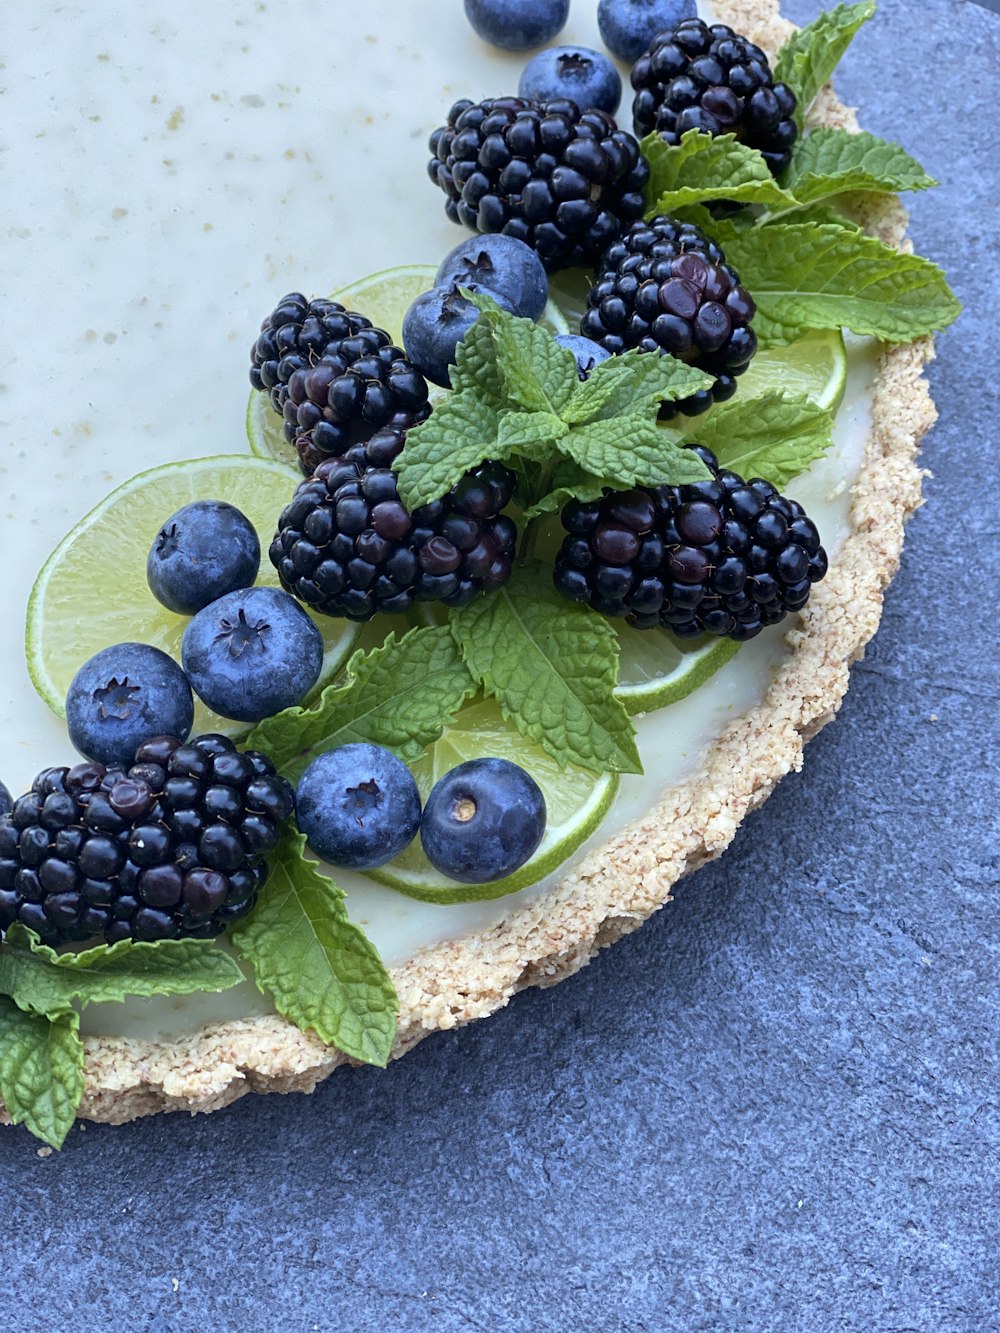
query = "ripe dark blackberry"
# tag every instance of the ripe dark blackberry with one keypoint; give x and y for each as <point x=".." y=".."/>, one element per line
<point x="173" y="847"/>
<point x="725" y="556"/>
<point x="696" y="77"/>
<point x="664" y="286"/>
<point x="562" y="181"/>
<point x="347" y="546"/>
<point x="334" y="378"/>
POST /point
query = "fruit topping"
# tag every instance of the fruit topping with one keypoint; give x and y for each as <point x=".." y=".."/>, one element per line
<point x="358" y="806"/>
<point x="588" y="353"/>
<point x="437" y="322"/>
<point x="628" y="26"/>
<point x="517" y="25"/>
<point x="482" y="821"/>
<point x="501" y="265"/>
<point x="205" y="550"/>
<point x="586" y="77"/>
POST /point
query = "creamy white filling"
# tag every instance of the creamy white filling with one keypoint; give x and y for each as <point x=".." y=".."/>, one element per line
<point x="174" y="176"/>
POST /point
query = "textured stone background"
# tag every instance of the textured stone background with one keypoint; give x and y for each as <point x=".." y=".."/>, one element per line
<point x="773" y="1108"/>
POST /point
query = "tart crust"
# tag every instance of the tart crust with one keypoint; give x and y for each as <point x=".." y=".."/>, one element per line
<point x="623" y="882"/>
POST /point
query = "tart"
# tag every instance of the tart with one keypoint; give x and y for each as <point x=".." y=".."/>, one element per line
<point x="450" y="965"/>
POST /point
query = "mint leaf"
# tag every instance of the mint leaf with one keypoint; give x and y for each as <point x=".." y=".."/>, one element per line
<point x="805" y="276"/>
<point x="569" y="481"/>
<point x="536" y="372"/>
<point x="41" y="1071"/>
<point x="830" y="162"/>
<point x="319" y="968"/>
<point x="401" y="695"/>
<point x="630" y="383"/>
<point x="530" y="434"/>
<point x="821" y="214"/>
<point x="775" y="435"/>
<point x="552" y="666"/>
<point x="702" y="167"/>
<point x="810" y="56"/>
<point x="458" y="435"/>
<point x="476" y="366"/>
<point x="632" y="451"/>
<point x="39" y="979"/>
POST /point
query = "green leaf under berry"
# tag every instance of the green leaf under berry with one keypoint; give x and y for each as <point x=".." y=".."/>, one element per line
<point x="41" y="1070"/>
<point x="809" y="57"/>
<point x="805" y="276"/>
<point x="774" y="435"/>
<point x="552" y="666"/>
<point x="830" y="162"/>
<point x="703" y="167"/>
<point x="631" y="383"/>
<point x="632" y="451"/>
<point x="320" y="970"/>
<point x="401" y="695"/>
<point x="569" y="481"/>
<point x="459" y="434"/>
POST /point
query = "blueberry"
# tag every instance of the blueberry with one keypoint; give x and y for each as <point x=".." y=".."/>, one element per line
<point x="252" y="653"/>
<point x="517" y="25"/>
<point x="436" y="323"/>
<point x="499" y="264"/>
<point x="6" y="800"/>
<point x="628" y="26"/>
<point x="588" y="353"/>
<point x="586" y="77"/>
<point x="358" y="806"/>
<point x="124" y="696"/>
<point x="482" y="821"/>
<point x="205" y="550"/>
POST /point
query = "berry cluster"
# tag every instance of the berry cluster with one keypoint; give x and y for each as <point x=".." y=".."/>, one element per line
<point x="562" y="181"/>
<point x="725" y="556"/>
<point x="174" y="846"/>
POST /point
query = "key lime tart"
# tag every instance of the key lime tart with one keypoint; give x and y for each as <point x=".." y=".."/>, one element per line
<point x="569" y="485"/>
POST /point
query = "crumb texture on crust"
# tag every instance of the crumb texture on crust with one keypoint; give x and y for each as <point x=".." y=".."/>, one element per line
<point x="619" y="885"/>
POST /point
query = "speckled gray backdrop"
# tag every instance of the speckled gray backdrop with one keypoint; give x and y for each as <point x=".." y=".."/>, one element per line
<point x="773" y="1108"/>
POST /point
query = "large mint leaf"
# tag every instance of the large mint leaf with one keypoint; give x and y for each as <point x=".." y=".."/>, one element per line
<point x="537" y="373"/>
<point x="702" y="167"/>
<point x="632" y="451"/>
<point x="320" y="969"/>
<point x="41" y="1071"/>
<point x="39" y="979"/>
<point x="809" y="57"/>
<point x="805" y="276"/>
<point x="830" y="162"/>
<point x="552" y="666"/>
<point x="531" y="434"/>
<point x="774" y="436"/>
<point x="401" y="695"/>
<point x="459" y="434"/>
<point x="632" y="383"/>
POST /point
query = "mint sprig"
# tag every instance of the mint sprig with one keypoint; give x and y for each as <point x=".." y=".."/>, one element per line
<point x="829" y="162"/>
<point x="809" y="57"/>
<point x="41" y="1070"/>
<point x="702" y="168"/>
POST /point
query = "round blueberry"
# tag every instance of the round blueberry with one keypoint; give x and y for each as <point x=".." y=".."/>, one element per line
<point x="124" y="696"/>
<point x="358" y="806"/>
<point x="6" y="800"/>
<point x="205" y="550"/>
<point x="502" y="264"/>
<point x="628" y="26"/>
<point x="482" y="821"/>
<point x="252" y="653"/>
<point x="517" y="25"/>
<point x="586" y="77"/>
<point x="436" y="323"/>
<point x="588" y="353"/>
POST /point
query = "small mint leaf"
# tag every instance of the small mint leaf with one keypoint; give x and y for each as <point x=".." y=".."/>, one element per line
<point x="569" y="481"/>
<point x="809" y="57"/>
<point x="775" y="435"/>
<point x="531" y="434"/>
<point x="459" y="434"/>
<point x="401" y="695"/>
<point x="632" y="451"/>
<point x="320" y="969"/>
<point x="41" y="1071"/>
<point x="552" y="666"/>
<point x="476" y="368"/>
<point x="820" y="214"/>
<point x="537" y="373"/>
<point x="831" y="162"/>
<point x="630" y="383"/>
<point x="703" y="167"/>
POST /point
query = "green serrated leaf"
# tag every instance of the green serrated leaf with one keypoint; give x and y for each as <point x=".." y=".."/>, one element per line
<point x="809" y="57"/>
<point x="820" y="214"/>
<point x="320" y="969"/>
<point x="537" y="373"/>
<point x="552" y="667"/>
<point x="401" y="695"/>
<point x="41" y="1071"/>
<point x="805" y="276"/>
<point x="632" y="451"/>
<point x="39" y="979"/>
<point x="703" y="167"/>
<point x="830" y="162"/>
<point x="531" y="434"/>
<point x="774" y="435"/>
<point x="631" y="383"/>
<point x="459" y="434"/>
<point x="569" y="481"/>
<point x="476" y="368"/>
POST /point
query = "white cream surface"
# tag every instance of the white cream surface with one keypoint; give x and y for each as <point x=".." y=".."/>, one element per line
<point x="167" y="172"/>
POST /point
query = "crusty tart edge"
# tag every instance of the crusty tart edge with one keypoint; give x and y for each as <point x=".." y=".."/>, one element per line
<point x="623" y="882"/>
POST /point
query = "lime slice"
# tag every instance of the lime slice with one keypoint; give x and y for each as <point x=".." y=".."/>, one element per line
<point x="384" y="298"/>
<point x="815" y="365"/>
<point x="92" y="590"/>
<point x="576" y="801"/>
<point x="657" y="669"/>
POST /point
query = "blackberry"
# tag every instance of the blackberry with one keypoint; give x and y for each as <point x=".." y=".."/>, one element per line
<point x="347" y="546"/>
<point x="696" y="77"/>
<point x="665" y="287"/>
<point x="562" y="181"/>
<point x="174" y="846"/>
<point x="724" y="556"/>
<point x="334" y="378"/>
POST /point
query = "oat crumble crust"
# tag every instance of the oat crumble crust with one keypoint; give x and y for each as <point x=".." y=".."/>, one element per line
<point x="623" y="882"/>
